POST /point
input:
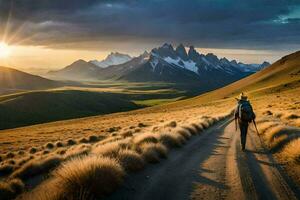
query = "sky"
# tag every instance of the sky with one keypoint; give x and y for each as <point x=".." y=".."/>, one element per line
<point x="50" y="34"/>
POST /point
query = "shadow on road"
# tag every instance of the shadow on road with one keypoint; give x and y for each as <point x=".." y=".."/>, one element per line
<point x="175" y="177"/>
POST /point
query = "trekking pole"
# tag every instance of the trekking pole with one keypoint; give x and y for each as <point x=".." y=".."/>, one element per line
<point x="261" y="142"/>
<point x="255" y="126"/>
<point x="235" y="124"/>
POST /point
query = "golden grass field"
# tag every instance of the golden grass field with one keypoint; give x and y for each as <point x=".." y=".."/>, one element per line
<point x="74" y="158"/>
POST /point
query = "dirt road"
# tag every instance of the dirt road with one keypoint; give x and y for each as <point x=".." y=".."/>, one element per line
<point x="212" y="166"/>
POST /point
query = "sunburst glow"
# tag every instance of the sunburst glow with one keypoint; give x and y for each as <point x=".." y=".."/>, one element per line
<point x="4" y="50"/>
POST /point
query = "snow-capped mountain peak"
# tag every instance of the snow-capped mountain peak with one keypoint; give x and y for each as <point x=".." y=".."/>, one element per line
<point x="165" y="64"/>
<point x="114" y="58"/>
<point x="199" y="63"/>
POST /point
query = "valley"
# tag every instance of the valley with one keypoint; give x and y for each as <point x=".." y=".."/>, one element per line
<point x="149" y="100"/>
<point x="146" y="135"/>
<point x="116" y="84"/>
<point x="86" y="99"/>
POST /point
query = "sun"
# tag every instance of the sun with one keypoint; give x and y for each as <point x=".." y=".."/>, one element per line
<point x="4" y="50"/>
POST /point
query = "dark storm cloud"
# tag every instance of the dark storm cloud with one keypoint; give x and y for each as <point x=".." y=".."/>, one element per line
<point x="257" y="24"/>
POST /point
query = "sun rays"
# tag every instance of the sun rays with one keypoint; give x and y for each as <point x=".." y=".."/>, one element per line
<point x="4" y="50"/>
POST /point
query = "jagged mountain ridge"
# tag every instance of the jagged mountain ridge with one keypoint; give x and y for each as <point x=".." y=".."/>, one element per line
<point x="167" y="64"/>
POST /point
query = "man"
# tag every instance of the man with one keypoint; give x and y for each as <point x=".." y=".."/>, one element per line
<point x="244" y="115"/>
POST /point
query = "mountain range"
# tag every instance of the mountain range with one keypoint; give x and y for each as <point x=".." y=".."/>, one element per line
<point x="164" y="63"/>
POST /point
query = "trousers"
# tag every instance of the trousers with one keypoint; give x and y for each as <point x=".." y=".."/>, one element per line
<point x="244" y="131"/>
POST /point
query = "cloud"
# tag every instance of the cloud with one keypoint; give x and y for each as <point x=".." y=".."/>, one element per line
<point x="255" y="24"/>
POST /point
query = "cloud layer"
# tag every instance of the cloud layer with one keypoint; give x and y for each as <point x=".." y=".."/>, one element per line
<point x="92" y="24"/>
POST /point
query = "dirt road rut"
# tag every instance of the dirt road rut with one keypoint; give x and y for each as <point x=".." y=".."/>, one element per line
<point x="212" y="166"/>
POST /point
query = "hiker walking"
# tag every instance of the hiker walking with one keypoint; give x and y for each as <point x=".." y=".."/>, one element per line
<point x="243" y="115"/>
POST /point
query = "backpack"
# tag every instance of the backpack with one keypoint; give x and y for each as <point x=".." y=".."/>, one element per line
<point x="246" y="113"/>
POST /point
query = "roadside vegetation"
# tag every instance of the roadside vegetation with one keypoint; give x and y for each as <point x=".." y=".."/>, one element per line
<point x="278" y="123"/>
<point x="40" y="162"/>
<point x="86" y="164"/>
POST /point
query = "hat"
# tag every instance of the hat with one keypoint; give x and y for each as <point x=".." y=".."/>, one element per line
<point x="243" y="96"/>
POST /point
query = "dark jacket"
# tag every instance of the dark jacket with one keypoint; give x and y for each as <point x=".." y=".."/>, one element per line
<point x="236" y="112"/>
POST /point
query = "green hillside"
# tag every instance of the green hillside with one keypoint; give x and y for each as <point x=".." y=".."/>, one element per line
<point x="45" y="106"/>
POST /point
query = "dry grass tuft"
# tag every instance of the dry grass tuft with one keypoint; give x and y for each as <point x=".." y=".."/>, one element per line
<point x="36" y="167"/>
<point x="184" y="133"/>
<point x="279" y="131"/>
<point x="191" y="129"/>
<point x="273" y="132"/>
<point x="171" y="139"/>
<point x="267" y="112"/>
<point x="83" y="140"/>
<point x="71" y="142"/>
<point x="127" y="134"/>
<point x="23" y="161"/>
<point x="10" y="189"/>
<point x="264" y="126"/>
<point x="205" y="124"/>
<point x="113" y="129"/>
<point x="46" y="152"/>
<point x="108" y="150"/>
<point x="78" y="150"/>
<point x="21" y="152"/>
<point x="141" y="125"/>
<point x="171" y="124"/>
<point x="152" y="152"/>
<point x="10" y="155"/>
<point x="33" y="150"/>
<point x="292" y="116"/>
<point x="93" y="138"/>
<point x="11" y="161"/>
<point x="6" y="169"/>
<point x="280" y="136"/>
<point x="161" y="150"/>
<point x="211" y="121"/>
<point x="97" y="175"/>
<point x="131" y="160"/>
<point x="61" y="151"/>
<point x="59" y="144"/>
<point x="198" y="127"/>
<point x="145" y="138"/>
<point x="49" y="145"/>
<point x="291" y="152"/>
<point x="82" y="178"/>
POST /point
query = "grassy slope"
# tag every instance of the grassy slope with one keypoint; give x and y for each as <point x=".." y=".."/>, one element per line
<point x="14" y="79"/>
<point x="272" y="88"/>
<point x="280" y="72"/>
<point x="181" y="111"/>
<point x="275" y="89"/>
<point x="284" y="71"/>
<point x="44" y="106"/>
<point x="88" y="99"/>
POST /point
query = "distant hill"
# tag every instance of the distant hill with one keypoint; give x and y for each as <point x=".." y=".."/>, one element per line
<point x="14" y="79"/>
<point x="46" y="106"/>
<point x="78" y="70"/>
